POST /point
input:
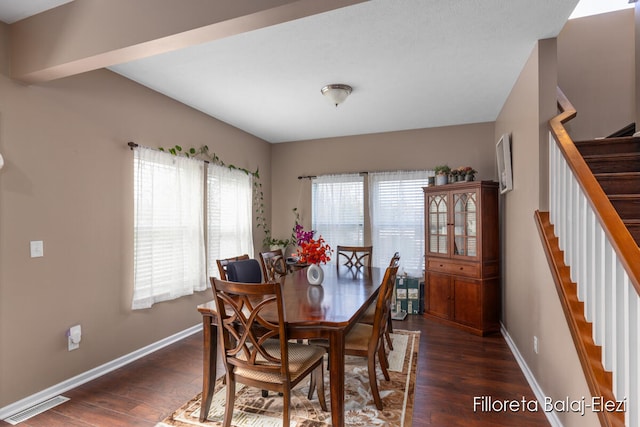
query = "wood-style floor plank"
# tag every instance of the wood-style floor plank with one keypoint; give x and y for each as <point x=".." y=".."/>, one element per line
<point x="454" y="367"/>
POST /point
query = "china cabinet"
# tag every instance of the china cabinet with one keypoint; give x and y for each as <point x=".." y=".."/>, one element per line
<point x="462" y="271"/>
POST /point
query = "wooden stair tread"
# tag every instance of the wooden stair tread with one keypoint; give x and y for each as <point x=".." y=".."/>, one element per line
<point x="623" y="196"/>
<point x="616" y="175"/>
<point x="609" y="145"/>
<point x="612" y="156"/>
<point x="615" y="163"/>
<point x="619" y="182"/>
<point x="609" y="141"/>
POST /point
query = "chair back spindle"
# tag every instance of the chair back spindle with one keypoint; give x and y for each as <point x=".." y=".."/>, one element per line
<point x="354" y="256"/>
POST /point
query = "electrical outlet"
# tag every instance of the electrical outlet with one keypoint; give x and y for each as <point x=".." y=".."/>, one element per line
<point x="535" y="344"/>
<point x="37" y="248"/>
<point x="74" y="336"/>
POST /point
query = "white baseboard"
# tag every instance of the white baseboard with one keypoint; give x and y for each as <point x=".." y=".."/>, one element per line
<point x="551" y="415"/>
<point x="94" y="373"/>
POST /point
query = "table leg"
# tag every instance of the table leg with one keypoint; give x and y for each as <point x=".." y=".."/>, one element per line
<point x="210" y="337"/>
<point x="336" y="376"/>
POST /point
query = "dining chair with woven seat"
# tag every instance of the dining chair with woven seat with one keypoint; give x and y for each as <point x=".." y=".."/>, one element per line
<point x="254" y="344"/>
<point x="370" y="314"/>
<point x="245" y="270"/>
<point x="274" y="266"/>
<point x="223" y="263"/>
<point x="368" y="340"/>
<point x="354" y="256"/>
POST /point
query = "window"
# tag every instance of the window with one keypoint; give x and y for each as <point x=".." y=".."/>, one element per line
<point x="229" y="218"/>
<point x="169" y="254"/>
<point x="396" y="209"/>
<point x="338" y="209"/>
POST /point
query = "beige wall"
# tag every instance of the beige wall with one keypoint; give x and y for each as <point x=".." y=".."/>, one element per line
<point x="531" y="303"/>
<point x="596" y="70"/>
<point x="68" y="181"/>
<point x="407" y="150"/>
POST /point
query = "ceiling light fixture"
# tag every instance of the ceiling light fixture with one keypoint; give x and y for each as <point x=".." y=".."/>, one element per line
<point x="337" y="93"/>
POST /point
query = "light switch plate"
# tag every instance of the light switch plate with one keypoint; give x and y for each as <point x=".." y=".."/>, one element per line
<point x="37" y="249"/>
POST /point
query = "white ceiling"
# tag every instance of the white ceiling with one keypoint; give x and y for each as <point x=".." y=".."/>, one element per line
<point x="412" y="64"/>
<point x="15" y="10"/>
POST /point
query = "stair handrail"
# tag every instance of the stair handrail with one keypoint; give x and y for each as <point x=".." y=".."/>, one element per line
<point x="618" y="234"/>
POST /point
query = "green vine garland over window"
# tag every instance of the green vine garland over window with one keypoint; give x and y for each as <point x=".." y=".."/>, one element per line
<point x="258" y="195"/>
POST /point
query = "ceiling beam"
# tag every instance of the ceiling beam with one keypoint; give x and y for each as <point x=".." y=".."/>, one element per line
<point x="86" y="35"/>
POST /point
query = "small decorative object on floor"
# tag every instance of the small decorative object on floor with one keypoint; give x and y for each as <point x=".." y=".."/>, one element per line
<point x="313" y="252"/>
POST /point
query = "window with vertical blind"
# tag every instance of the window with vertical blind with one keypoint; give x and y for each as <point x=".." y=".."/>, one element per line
<point x="396" y="210"/>
<point x="338" y="209"/>
<point x="169" y="254"/>
<point x="169" y="226"/>
<point x="229" y="215"/>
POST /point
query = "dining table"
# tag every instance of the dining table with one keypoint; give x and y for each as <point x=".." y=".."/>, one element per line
<point x="327" y="311"/>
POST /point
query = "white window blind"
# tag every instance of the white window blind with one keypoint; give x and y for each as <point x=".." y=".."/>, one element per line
<point x="338" y="209"/>
<point x="169" y="256"/>
<point x="396" y="206"/>
<point x="229" y="220"/>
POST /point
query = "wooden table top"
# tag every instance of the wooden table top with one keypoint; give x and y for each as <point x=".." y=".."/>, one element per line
<point x="343" y="296"/>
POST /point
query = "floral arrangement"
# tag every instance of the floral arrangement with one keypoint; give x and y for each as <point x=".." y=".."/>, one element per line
<point x="310" y="250"/>
<point x="464" y="170"/>
<point x="303" y="236"/>
<point x="442" y="170"/>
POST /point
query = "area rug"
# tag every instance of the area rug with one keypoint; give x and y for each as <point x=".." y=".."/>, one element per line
<point x="252" y="410"/>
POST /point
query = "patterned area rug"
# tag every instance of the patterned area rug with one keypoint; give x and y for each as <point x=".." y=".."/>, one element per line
<point x="251" y="409"/>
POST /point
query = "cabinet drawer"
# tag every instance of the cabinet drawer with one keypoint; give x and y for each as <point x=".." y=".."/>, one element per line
<point x="452" y="267"/>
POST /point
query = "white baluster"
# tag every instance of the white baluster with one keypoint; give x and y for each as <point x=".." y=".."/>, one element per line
<point x="591" y="263"/>
<point x="598" y="323"/>
<point x="583" y="237"/>
<point x="608" y="319"/>
<point x="620" y="317"/>
<point x="553" y="173"/>
<point x="561" y="204"/>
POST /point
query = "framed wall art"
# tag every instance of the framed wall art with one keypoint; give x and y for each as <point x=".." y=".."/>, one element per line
<point x="503" y="153"/>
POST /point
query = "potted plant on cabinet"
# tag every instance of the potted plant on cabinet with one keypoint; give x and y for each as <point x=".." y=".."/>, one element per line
<point x="467" y="172"/>
<point x="442" y="173"/>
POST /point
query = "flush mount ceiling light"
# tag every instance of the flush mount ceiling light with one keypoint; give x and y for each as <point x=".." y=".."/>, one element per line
<point x="337" y="93"/>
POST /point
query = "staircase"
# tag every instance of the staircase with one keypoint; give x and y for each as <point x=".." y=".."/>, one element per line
<point x="615" y="163"/>
<point x="591" y="239"/>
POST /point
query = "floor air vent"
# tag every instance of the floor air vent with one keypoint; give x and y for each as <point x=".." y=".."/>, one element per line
<point x="35" y="410"/>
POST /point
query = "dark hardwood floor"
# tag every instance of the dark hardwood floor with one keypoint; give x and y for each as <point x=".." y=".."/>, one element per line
<point x="454" y="367"/>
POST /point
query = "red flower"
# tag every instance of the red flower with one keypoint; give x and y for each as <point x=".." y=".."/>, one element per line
<point x="314" y="252"/>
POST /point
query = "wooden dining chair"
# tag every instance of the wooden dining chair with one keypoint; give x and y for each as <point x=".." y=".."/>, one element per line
<point x="370" y="314"/>
<point x="274" y="266"/>
<point x="222" y="264"/>
<point x="395" y="259"/>
<point x="354" y="256"/>
<point x="368" y="340"/>
<point x="255" y="348"/>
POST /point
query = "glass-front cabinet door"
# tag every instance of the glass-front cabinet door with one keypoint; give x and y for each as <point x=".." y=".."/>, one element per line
<point x="465" y="218"/>
<point x="438" y="217"/>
